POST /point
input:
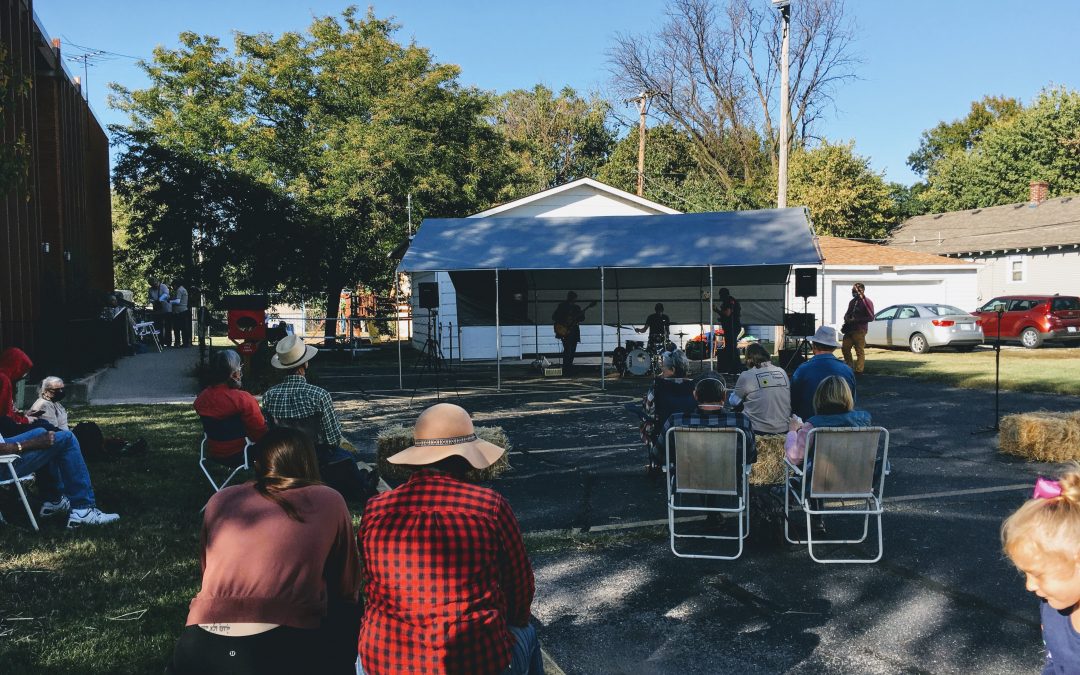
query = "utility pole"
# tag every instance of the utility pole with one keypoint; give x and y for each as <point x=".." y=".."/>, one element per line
<point x="408" y="208"/>
<point x="785" y="105"/>
<point x="642" y="101"/>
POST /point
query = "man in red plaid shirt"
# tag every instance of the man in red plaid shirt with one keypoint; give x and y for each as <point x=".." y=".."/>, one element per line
<point x="448" y="584"/>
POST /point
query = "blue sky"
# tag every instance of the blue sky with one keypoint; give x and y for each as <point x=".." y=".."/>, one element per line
<point x="922" y="60"/>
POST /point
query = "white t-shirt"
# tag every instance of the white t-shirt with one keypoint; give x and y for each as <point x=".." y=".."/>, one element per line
<point x="766" y="395"/>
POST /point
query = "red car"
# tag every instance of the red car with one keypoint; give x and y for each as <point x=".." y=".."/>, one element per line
<point x="1033" y="319"/>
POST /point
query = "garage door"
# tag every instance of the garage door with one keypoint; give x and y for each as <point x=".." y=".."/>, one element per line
<point x="885" y="293"/>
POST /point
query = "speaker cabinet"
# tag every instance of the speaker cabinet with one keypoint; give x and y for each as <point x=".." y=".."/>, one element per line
<point x="429" y="295"/>
<point x="806" y="282"/>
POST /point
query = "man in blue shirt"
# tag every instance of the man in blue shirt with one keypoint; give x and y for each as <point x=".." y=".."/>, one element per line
<point x="822" y="364"/>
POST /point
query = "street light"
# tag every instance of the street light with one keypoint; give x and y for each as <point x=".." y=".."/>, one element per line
<point x="785" y="95"/>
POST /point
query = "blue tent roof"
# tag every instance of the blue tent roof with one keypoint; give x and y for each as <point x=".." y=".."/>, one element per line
<point x="721" y="239"/>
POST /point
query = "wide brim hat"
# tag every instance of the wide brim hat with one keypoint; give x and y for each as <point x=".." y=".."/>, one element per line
<point x="444" y="430"/>
<point x="825" y="335"/>
<point x="291" y="352"/>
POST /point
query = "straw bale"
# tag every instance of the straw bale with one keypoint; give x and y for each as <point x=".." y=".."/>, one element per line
<point x="769" y="467"/>
<point x="1041" y="436"/>
<point x="396" y="438"/>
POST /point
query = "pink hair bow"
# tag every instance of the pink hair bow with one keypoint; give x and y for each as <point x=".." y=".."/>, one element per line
<point x="1046" y="488"/>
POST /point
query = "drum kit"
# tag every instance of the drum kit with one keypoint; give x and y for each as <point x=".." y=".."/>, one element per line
<point x="639" y="358"/>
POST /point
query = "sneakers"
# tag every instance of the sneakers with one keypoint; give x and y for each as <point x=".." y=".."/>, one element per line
<point x="53" y="508"/>
<point x="90" y="516"/>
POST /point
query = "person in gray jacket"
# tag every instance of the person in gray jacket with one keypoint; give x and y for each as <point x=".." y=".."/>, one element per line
<point x="181" y="315"/>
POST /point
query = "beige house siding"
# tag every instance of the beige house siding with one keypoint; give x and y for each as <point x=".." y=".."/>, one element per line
<point x="1043" y="273"/>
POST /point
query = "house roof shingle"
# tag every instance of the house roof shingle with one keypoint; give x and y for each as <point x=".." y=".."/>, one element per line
<point x="840" y="252"/>
<point x="1054" y="222"/>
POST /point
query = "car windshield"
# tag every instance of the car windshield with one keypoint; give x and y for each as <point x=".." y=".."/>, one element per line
<point x="1064" y="304"/>
<point x="943" y="310"/>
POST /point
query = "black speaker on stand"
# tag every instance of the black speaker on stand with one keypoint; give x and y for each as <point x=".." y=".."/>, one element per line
<point x="429" y="295"/>
<point x="806" y="283"/>
<point x="802" y="324"/>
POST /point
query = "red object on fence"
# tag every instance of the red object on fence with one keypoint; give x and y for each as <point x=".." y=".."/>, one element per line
<point x="248" y="348"/>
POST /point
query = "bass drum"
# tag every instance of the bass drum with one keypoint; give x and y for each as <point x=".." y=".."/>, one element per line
<point x="638" y="362"/>
<point x="697" y="350"/>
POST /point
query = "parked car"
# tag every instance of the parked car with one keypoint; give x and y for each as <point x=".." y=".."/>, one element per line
<point x="922" y="326"/>
<point x="1033" y="319"/>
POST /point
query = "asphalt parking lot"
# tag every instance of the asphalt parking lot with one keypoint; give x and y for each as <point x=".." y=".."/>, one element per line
<point x="611" y="598"/>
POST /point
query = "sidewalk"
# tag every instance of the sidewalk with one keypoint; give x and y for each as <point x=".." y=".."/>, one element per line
<point x="168" y="377"/>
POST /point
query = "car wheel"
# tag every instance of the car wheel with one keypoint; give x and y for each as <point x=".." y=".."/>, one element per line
<point x="1031" y="338"/>
<point x="918" y="344"/>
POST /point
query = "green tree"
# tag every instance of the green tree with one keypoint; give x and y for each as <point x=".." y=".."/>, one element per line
<point x="962" y="134"/>
<point x="289" y="160"/>
<point x="15" y="153"/>
<point x="844" y="196"/>
<point x="556" y="139"/>
<point x="1040" y="142"/>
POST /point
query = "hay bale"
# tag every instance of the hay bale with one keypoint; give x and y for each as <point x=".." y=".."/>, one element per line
<point x="1041" y="436"/>
<point x="394" y="439"/>
<point x="769" y="467"/>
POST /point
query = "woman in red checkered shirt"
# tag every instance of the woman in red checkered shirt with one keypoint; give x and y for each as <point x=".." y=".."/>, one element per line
<point x="447" y="581"/>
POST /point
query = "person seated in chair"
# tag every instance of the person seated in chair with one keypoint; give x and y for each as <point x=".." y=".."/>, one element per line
<point x="296" y="401"/>
<point x="229" y="414"/>
<point x="710" y="393"/>
<point x="834" y="406"/>
<point x="670" y="393"/>
<point x="764" y="392"/>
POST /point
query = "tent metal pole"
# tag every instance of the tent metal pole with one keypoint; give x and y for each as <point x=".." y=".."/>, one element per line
<point x="536" y="324"/>
<point x="498" y="337"/>
<point x="715" y="341"/>
<point x="397" y="327"/>
<point x="602" y="326"/>
<point x="618" y="311"/>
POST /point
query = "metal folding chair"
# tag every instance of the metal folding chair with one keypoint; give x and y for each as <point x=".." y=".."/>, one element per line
<point x="17" y="481"/>
<point x="146" y="328"/>
<point x="842" y="475"/>
<point x="710" y="463"/>
<point x="222" y="430"/>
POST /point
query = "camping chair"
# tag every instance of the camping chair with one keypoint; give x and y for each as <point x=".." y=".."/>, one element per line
<point x="710" y="463"/>
<point x="228" y="429"/>
<point x="841" y="466"/>
<point x="145" y="329"/>
<point x="17" y="481"/>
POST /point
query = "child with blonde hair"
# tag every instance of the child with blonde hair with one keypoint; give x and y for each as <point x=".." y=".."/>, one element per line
<point x="1042" y="538"/>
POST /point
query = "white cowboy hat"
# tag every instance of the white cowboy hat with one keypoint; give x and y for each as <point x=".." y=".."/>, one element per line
<point x="291" y="352"/>
<point x="826" y="336"/>
<point x="443" y="430"/>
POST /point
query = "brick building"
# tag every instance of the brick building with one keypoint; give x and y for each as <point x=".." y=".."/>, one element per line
<point x="55" y="223"/>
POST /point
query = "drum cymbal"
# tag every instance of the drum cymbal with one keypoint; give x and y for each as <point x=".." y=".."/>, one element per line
<point x="682" y="334"/>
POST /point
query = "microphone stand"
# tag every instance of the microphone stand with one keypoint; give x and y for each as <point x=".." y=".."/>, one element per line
<point x="1000" y="311"/>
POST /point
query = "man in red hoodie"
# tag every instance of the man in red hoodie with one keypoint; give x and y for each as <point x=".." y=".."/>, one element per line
<point x="14" y="366"/>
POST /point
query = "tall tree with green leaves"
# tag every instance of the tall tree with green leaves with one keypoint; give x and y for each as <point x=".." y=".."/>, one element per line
<point x="962" y="134"/>
<point x="556" y="138"/>
<point x="844" y="196"/>
<point x="1039" y="142"/>
<point x="294" y="154"/>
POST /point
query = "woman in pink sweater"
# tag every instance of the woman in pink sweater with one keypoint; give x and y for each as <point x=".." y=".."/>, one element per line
<point x="278" y="553"/>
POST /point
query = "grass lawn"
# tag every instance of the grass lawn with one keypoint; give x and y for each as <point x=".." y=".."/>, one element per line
<point x="110" y="599"/>
<point x="1053" y="370"/>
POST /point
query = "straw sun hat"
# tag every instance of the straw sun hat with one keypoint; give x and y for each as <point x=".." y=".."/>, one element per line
<point x="291" y="352"/>
<point x="443" y="430"/>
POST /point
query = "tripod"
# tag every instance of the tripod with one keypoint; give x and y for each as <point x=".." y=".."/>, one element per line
<point x="431" y="357"/>
<point x="1000" y="311"/>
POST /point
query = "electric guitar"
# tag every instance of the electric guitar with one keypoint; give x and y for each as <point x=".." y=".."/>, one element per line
<point x="563" y="328"/>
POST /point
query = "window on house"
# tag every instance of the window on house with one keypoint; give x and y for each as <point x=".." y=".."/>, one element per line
<point x="1015" y="270"/>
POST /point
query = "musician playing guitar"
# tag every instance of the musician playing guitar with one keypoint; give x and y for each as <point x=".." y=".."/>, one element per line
<point x="567" y="318"/>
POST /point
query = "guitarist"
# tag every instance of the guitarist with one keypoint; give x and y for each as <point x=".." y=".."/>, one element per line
<point x="567" y="318"/>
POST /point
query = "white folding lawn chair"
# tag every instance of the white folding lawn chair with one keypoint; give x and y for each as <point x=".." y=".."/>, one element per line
<point x="843" y="474"/>
<point x="203" y="459"/>
<point x="17" y="481"/>
<point x="710" y="466"/>
<point x="146" y="329"/>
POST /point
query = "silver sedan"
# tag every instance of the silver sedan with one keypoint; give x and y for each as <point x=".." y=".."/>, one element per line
<point x="922" y="326"/>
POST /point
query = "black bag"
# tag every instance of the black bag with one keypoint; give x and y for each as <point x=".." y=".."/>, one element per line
<point x="91" y="440"/>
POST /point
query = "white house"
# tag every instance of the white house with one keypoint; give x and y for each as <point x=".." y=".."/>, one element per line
<point x="1029" y="247"/>
<point x="583" y="197"/>
<point x="891" y="275"/>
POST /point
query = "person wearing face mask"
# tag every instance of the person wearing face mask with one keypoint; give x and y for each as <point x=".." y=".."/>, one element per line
<point x="48" y="407"/>
<point x="225" y="405"/>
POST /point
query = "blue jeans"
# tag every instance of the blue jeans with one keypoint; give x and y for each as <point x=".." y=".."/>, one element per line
<point x="60" y="468"/>
<point x="525" y="657"/>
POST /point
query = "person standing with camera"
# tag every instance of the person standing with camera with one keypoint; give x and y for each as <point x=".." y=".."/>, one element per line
<point x="860" y="312"/>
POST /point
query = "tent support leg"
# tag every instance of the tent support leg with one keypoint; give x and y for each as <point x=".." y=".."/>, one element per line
<point x="602" y="326"/>
<point x="715" y="341"/>
<point x="498" y="337"/>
